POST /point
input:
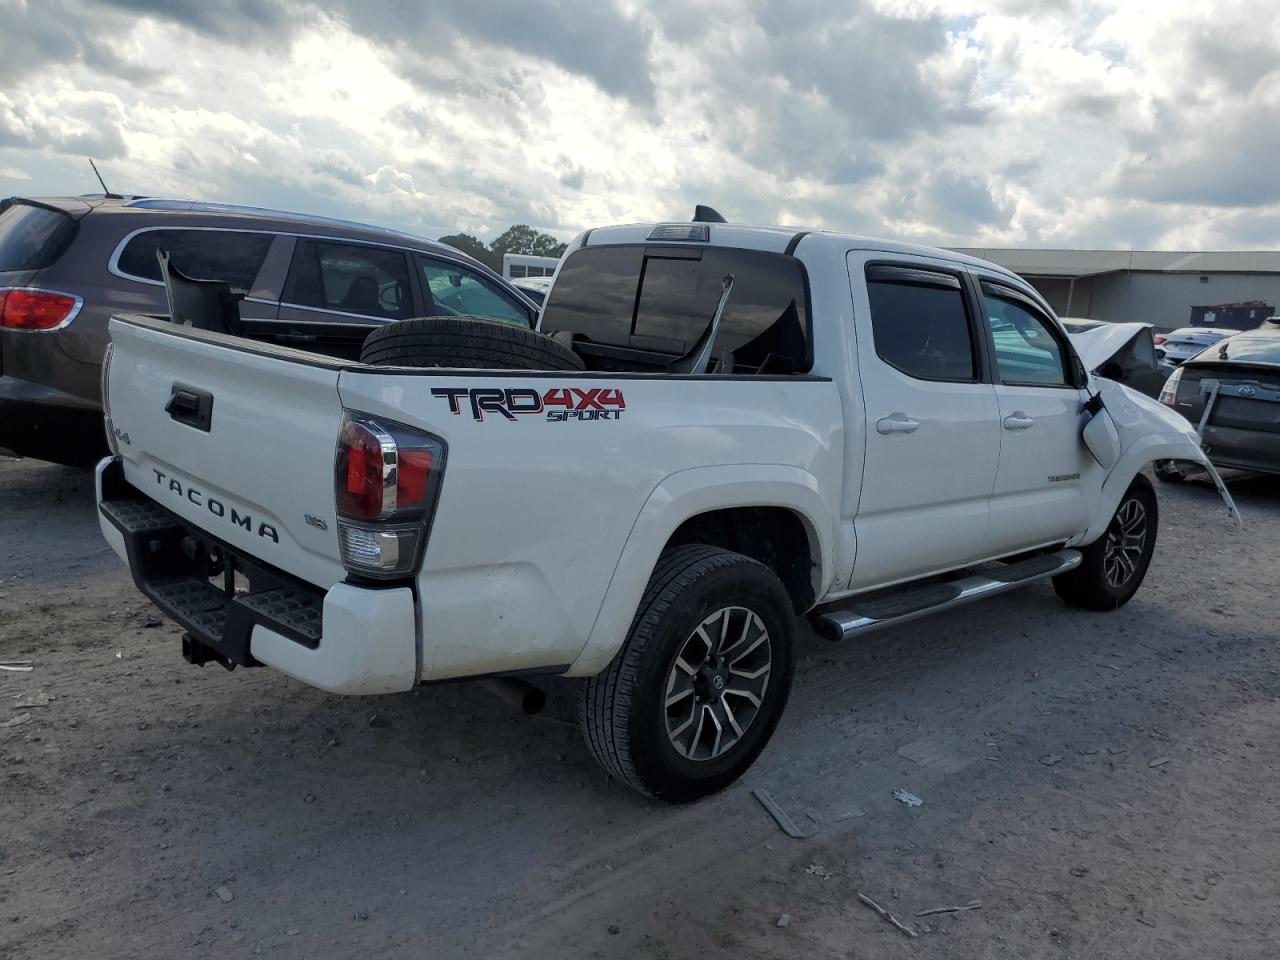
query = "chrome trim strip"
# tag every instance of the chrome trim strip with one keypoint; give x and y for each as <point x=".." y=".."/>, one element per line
<point x="75" y="310"/>
<point x="841" y="624"/>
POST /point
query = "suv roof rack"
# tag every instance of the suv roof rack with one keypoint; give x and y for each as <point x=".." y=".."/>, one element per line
<point x="204" y="206"/>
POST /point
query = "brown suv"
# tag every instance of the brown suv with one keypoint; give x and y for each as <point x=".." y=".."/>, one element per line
<point x="68" y="263"/>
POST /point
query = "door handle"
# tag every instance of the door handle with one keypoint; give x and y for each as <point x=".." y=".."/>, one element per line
<point x="897" y="423"/>
<point x="1018" y="421"/>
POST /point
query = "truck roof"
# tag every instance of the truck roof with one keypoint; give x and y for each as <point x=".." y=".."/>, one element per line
<point x="783" y="239"/>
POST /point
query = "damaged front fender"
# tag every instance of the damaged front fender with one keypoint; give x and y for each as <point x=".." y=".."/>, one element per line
<point x="1147" y="431"/>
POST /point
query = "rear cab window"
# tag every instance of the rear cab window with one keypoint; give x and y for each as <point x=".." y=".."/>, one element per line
<point x="640" y="307"/>
<point x="33" y="237"/>
<point x="233" y="256"/>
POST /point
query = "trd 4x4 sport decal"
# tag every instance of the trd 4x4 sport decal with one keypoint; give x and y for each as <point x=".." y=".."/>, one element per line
<point x="559" y="403"/>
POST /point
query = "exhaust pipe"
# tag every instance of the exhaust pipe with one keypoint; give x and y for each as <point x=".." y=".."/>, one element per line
<point x="518" y="693"/>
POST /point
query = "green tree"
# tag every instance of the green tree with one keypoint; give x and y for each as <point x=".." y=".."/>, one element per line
<point x="522" y="238"/>
<point x="474" y="247"/>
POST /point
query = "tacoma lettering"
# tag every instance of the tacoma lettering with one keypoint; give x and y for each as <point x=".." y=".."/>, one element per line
<point x="195" y="496"/>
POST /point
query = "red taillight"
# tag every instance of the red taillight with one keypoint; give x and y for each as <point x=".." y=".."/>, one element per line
<point x="411" y="477"/>
<point x="1159" y="339"/>
<point x="22" y="308"/>
<point x="360" y="465"/>
<point x="387" y="477"/>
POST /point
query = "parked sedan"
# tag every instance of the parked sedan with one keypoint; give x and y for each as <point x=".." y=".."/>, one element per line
<point x="1238" y="384"/>
<point x="1185" y="342"/>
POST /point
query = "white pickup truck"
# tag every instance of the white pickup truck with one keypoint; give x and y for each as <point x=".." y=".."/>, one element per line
<point x="720" y="430"/>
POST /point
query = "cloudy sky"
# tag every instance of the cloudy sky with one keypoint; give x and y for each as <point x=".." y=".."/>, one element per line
<point x="1147" y="123"/>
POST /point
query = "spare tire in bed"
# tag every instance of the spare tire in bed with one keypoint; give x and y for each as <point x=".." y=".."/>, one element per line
<point x="465" y="342"/>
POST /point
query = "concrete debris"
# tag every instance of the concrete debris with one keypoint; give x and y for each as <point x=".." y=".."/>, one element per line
<point x="224" y="894"/>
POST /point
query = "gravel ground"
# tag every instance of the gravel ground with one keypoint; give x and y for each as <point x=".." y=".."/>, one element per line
<point x="1105" y="785"/>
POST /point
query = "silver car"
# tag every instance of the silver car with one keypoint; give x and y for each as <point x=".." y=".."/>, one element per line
<point x="1185" y="342"/>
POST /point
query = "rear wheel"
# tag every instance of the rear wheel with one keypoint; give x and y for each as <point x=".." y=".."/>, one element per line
<point x="1115" y="564"/>
<point x="465" y="342"/>
<point x="694" y="694"/>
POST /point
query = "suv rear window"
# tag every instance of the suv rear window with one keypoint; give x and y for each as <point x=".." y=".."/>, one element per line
<point x="31" y="237"/>
<point x="229" y="255"/>
<point x="643" y="306"/>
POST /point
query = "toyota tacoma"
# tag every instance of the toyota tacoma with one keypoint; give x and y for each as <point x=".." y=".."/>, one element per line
<point x="716" y="432"/>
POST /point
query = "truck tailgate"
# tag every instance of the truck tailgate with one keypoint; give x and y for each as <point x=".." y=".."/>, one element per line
<point x="257" y="471"/>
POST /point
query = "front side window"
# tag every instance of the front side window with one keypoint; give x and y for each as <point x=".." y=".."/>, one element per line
<point x="920" y="325"/>
<point x="232" y="256"/>
<point x="1026" y="349"/>
<point x="349" y="278"/>
<point x="457" y="291"/>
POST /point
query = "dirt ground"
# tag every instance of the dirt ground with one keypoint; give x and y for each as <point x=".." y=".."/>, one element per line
<point x="1104" y="784"/>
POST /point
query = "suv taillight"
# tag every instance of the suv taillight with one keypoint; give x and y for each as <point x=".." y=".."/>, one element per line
<point x="26" y="308"/>
<point x="386" y="477"/>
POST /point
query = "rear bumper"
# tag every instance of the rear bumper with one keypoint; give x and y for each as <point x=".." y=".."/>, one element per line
<point x="1254" y="450"/>
<point x="49" y="424"/>
<point x="348" y="639"/>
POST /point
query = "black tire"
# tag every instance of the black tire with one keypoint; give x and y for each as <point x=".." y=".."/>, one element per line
<point x="1169" y="471"/>
<point x="465" y="342"/>
<point x="1103" y="582"/>
<point x="626" y="714"/>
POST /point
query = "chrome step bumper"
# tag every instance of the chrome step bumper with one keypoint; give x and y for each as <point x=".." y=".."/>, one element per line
<point x="886" y="608"/>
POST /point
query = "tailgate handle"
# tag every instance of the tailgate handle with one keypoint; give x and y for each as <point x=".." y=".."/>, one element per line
<point x="191" y="406"/>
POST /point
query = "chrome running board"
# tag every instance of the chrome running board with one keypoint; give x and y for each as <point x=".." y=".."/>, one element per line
<point x="887" y="608"/>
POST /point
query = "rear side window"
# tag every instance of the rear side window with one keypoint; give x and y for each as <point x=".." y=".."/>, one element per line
<point x="350" y="278"/>
<point x="460" y="292"/>
<point x="659" y="300"/>
<point x="32" y="238"/>
<point x="920" y="324"/>
<point x="232" y="256"/>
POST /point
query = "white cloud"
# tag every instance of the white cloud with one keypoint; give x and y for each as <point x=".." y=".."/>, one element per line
<point x="1055" y="122"/>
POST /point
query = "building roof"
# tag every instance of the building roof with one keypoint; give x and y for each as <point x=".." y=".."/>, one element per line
<point x="1068" y="264"/>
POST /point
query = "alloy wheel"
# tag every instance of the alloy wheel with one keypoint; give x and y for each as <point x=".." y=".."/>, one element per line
<point x="717" y="682"/>
<point x="1126" y="540"/>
